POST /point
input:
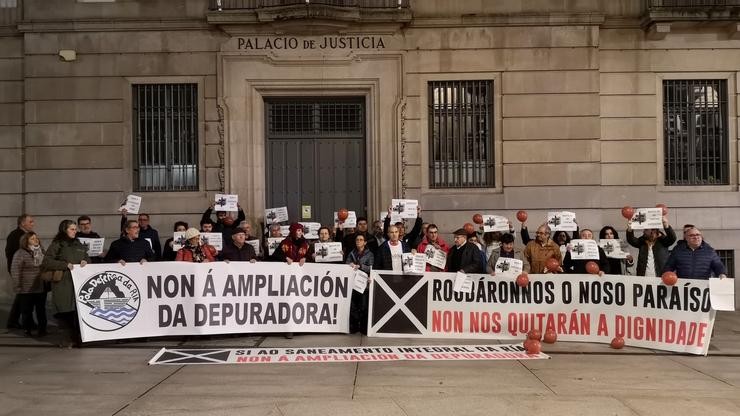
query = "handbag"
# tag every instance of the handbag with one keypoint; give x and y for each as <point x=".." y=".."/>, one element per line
<point x="52" y="275"/>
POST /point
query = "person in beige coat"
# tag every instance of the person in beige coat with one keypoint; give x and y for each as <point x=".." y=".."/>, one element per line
<point x="25" y="270"/>
<point x="506" y="249"/>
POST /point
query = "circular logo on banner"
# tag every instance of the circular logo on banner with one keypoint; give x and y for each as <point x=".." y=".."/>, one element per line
<point x="108" y="301"/>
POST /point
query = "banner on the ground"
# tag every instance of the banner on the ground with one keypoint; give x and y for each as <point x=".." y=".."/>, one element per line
<point x="586" y="308"/>
<point x="180" y="298"/>
<point x="363" y="354"/>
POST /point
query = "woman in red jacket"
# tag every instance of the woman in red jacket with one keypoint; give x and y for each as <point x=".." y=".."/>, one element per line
<point x="195" y="252"/>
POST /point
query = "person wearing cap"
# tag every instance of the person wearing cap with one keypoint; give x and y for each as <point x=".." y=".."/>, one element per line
<point x="194" y="251"/>
<point x="238" y="249"/>
<point x="294" y="247"/>
<point x="464" y="256"/>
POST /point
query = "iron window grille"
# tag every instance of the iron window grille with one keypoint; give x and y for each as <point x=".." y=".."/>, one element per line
<point x="691" y="4"/>
<point x="335" y="117"/>
<point x="460" y="138"/>
<point x="728" y="258"/>
<point x="165" y="126"/>
<point x="695" y="128"/>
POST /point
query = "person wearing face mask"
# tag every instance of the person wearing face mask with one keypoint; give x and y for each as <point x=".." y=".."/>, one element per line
<point x="653" y="248"/>
<point x="25" y="270"/>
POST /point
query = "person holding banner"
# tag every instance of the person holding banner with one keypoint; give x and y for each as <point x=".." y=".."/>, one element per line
<point x="578" y="266"/>
<point x="695" y="259"/>
<point x="238" y="249"/>
<point x="390" y="254"/>
<point x="653" y="248"/>
<point x="64" y="252"/>
<point x="433" y="239"/>
<point x="25" y="271"/>
<point x="169" y="253"/>
<point x="361" y="257"/>
<point x="464" y="256"/>
<point x="616" y="266"/>
<point x="507" y="250"/>
<point x="130" y="248"/>
<point x="294" y="247"/>
<point x="541" y="249"/>
<point x="194" y="251"/>
<point x="146" y="233"/>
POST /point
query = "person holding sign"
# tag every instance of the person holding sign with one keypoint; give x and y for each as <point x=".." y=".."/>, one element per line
<point x="194" y="250"/>
<point x="464" y="256"/>
<point x="409" y="238"/>
<point x="433" y="239"/>
<point x="695" y="259"/>
<point x="225" y="223"/>
<point x="653" y="248"/>
<point x="324" y="237"/>
<point x="616" y="266"/>
<point x="390" y="254"/>
<point x="130" y="248"/>
<point x="361" y="257"/>
<point x="578" y="266"/>
<point x="84" y="224"/>
<point x="541" y="249"/>
<point x="238" y="249"/>
<point x="507" y="250"/>
<point x="294" y="247"/>
<point x="169" y="253"/>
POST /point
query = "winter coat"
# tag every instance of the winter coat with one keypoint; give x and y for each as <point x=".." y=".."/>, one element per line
<point x="58" y="255"/>
<point x="25" y="273"/>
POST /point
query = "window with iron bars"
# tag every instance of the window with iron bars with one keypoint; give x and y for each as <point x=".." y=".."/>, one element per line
<point x="165" y="129"/>
<point x="460" y="134"/>
<point x="695" y="130"/>
<point x="728" y="259"/>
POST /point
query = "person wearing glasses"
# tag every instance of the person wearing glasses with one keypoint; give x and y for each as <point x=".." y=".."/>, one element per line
<point x="541" y="249"/>
<point x="130" y="247"/>
<point x="695" y="259"/>
<point x="433" y="239"/>
<point x="84" y="230"/>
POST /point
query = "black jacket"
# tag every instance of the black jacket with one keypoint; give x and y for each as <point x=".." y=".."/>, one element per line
<point x="660" y="250"/>
<point x="129" y="251"/>
<point x="384" y="259"/>
<point x="233" y="253"/>
<point x="409" y="238"/>
<point x="12" y="244"/>
<point x="466" y="259"/>
<point x="579" y="266"/>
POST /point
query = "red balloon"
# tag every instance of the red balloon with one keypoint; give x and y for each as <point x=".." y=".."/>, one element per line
<point x="552" y="264"/>
<point x="342" y="214"/>
<point x="592" y="267"/>
<point x="527" y="342"/>
<point x="521" y="215"/>
<point x="550" y="336"/>
<point x="535" y="334"/>
<point x="617" y="343"/>
<point x="478" y="219"/>
<point x="535" y="347"/>
<point x="664" y="207"/>
<point x="628" y="212"/>
<point x="669" y="278"/>
<point x="469" y="228"/>
<point x="522" y="280"/>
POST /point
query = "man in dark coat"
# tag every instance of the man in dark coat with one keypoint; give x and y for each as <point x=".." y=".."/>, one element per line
<point x="25" y="224"/>
<point x="237" y="249"/>
<point x="390" y="254"/>
<point x="695" y="259"/>
<point x="653" y="245"/>
<point x="130" y="247"/>
<point x="464" y="256"/>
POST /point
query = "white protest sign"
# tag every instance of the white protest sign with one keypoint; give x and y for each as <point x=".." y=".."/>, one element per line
<point x="328" y="252"/>
<point x="149" y="240"/>
<point x="350" y="222"/>
<point x="183" y="298"/>
<point x="213" y="239"/>
<point x="405" y="208"/>
<point x="94" y="245"/>
<point x="132" y="204"/>
<point x="612" y="248"/>
<point x="255" y="245"/>
<point x="462" y="283"/>
<point x="226" y="202"/>
<point x="414" y="263"/>
<point x="178" y="240"/>
<point x="311" y="230"/>
<point x="647" y="218"/>
<point x="722" y="294"/>
<point x="562" y="221"/>
<point x="493" y="223"/>
<point x="360" y="281"/>
<point x="273" y="215"/>
<point x="584" y="249"/>
<point x="272" y="244"/>
<point x="435" y="257"/>
<point x="508" y="267"/>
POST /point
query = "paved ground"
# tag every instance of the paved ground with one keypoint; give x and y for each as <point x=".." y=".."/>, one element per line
<point x="37" y="378"/>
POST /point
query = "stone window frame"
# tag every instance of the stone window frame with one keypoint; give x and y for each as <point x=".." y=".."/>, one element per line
<point x="128" y="138"/>
<point x="497" y="131"/>
<point x="732" y="121"/>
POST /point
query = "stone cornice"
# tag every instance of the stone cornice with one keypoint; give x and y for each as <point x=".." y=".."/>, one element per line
<point x="544" y="19"/>
<point x="99" y="25"/>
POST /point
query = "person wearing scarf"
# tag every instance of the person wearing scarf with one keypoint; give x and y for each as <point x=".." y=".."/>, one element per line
<point x="25" y="269"/>
<point x="195" y="252"/>
<point x="294" y="247"/>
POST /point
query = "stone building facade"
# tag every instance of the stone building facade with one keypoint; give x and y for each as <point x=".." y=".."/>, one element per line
<point x="573" y="117"/>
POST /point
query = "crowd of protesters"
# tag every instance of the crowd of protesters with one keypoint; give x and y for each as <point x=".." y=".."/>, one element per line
<point x="35" y="271"/>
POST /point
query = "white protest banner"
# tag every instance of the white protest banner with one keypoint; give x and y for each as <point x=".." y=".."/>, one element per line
<point x="310" y="230"/>
<point x="226" y="202"/>
<point x="167" y="356"/>
<point x="328" y="252"/>
<point x="435" y="257"/>
<point x="360" y="281"/>
<point x="463" y="283"/>
<point x="273" y="215"/>
<point x="255" y="245"/>
<point x="583" y="308"/>
<point x="722" y="294"/>
<point x="613" y="248"/>
<point x="214" y="239"/>
<point x="350" y="222"/>
<point x="272" y="244"/>
<point x="584" y="249"/>
<point x="178" y="240"/>
<point x="94" y="245"/>
<point x="132" y="204"/>
<point x="405" y="208"/>
<point x="182" y="298"/>
<point x="508" y="267"/>
<point x="495" y="223"/>
<point x="414" y="263"/>
<point x="562" y="221"/>
<point x="647" y="218"/>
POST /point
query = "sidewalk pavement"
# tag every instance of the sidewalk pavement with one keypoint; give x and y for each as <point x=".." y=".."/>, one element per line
<point x="37" y="378"/>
